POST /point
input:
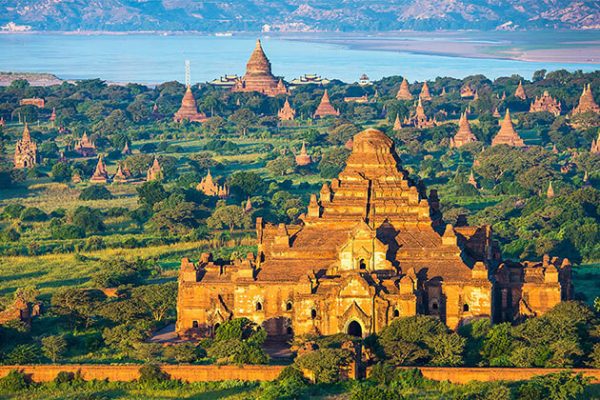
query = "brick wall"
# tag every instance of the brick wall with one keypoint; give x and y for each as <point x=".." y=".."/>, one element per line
<point x="189" y="373"/>
<point x="205" y="373"/>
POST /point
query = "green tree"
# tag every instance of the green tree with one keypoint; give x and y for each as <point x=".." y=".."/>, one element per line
<point x="96" y="192"/>
<point x="229" y="216"/>
<point x="151" y="193"/>
<point x="332" y="162"/>
<point x="160" y="300"/>
<point x="61" y="172"/>
<point x="282" y="165"/>
<point x="54" y="347"/>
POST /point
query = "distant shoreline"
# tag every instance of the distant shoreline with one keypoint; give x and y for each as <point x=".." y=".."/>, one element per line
<point x="566" y="46"/>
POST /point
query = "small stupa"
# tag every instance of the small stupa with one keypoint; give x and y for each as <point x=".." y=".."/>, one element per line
<point x="126" y="150"/>
<point x="472" y="180"/>
<point x="100" y="174"/>
<point x="303" y="158"/>
<point x="325" y="107"/>
<point x="122" y="175"/>
<point x="397" y="124"/>
<point x="586" y="102"/>
<point x="425" y="95"/>
<point x="507" y="134"/>
<point x="520" y="92"/>
<point x="595" y="148"/>
<point x="248" y="206"/>
<point x="464" y="134"/>
<point x="496" y="113"/>
<point x="404" y="91"/>
<point x="155" y="172"/>
<point x="189" y="109"/>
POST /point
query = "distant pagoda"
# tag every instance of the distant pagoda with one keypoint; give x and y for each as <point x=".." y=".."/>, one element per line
<point x="211" y="188"/>
<point x="258" y="77"/>
<point x="325" y="107"/>
<point x="464" y="134"/>
<point x="404" y="91"/>
<point x="303" y="159"/>
<point x="286" y="113"/>
<point x="520" y="92"/>
<point x="100" y="173"/>
<point x="595" y="149"/>
<point x="586" y="102"/>
<point x="122" y="175"/>
<point x="496" y="113"/>
<point x="397" y="124"/>
<point x="425" y="95"/>
<point x="550" y="191"/>
<point x="155" y="172"/>
<point x="85" y="147"/>
<point x="419" y="119"/>
<point x="53" y="116"/>
<point x="189" y="109"/>
<point x="472" y="180"/>
<point x="507" y="134"/>
<point x="545" y="103"/>
<point x="25" y="151"/>
<point x="467" y="91"/>
<point x="126" y="150"/>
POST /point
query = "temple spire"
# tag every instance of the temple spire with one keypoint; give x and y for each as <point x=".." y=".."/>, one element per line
<point x="404" y="91"/>
<point x="507" y="134"/>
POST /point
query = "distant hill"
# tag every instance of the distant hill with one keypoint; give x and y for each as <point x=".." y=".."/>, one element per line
<point x="298" y="15"/>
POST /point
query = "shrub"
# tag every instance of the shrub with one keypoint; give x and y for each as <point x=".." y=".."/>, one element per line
<point x="13" y="210"/>
<point x="64" y="377"/>
<point x="95" y="192"/>
<point x="325" y="364"/>
<point x="33" y="214"/>
<point x="151" y="373"/>
<point x="14" y="381"/>
<point x="54" y="347"/>
<point x="23" y="354"/>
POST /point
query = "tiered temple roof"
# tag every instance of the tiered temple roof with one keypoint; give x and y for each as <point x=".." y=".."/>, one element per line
<point x="100" y="173"/>
<point x="25" y="150"/>
<point x="303" y="158"/>
<point x="325" y="107"/>
<point x="85" y="147"/>
<point x="586" y="102"/>
<point x="287" y="113"/>
<point x="419" y="119"/>
<point x="309" y="79"/>
<point x="507" y="134"/>
<point x="466" y="91"/>
<point x="258" y="77"/>
<point x="425" y="94"/>
<point x="122" y="175"/>
<point x="464" y="134"/>
<point x="212" y="188"/>
<point x="404" y="91"/>
<point x="155" y="172"/>
<point x="189" y="109"/>
<point x="520" y="92"/>
<point x="546" y="103"/>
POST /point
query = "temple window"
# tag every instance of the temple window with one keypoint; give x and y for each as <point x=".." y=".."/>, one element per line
<point x="434" y="305"/>
<point x="288" y="306"/>
<point x="194" y="324"/>
<point x="362" y="264"/>
<point x="396" y="313"/>
<point x="217" y="325"/>
<point x="466" y="307"/>
<point x="259" y="306"/>
<point x="313" y="313"/>
<point x="289" y="330"/>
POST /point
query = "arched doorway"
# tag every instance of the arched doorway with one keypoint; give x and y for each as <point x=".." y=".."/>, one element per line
<point x="354" y="329"/>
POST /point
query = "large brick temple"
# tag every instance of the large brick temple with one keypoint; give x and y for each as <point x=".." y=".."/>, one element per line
<point x="258" y="76"/>
<point x="371" y="247"/>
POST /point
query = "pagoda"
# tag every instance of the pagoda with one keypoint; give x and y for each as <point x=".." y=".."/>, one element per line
<point x="472" y="180"/>
<point x="2" y="122"/>
<point x="85" y="147"/>
<point x="550" y="191"/>
<point x="466" y="91"/>
<point x="100" y="174"/>
<point x="303" y="158"/>
<point x="211" y="188"/>
<point x="507" y="134"/>
<point x="25" y="151"/>
<point x="155" y="172"/>
<point x="595" y="148"/>
<point x="425" y="95"/>
<point x="464" y="134"/>
<point x="53" y="116"/>
<point x="404" y="91"/>
<point x="397" y="124"/>
<point x="586" y="102"/>
<point x="122" y="175"/>
<point x="370" y="247"/>
<point x="248" y="206"/>
<point x="258" y="77"/>
<point x="189" y="109"/>
<point x="496" y="113"/>
<point x="325" y="108"/>
<point x="545" y="103"/>
<point x="520" y="92"/>
<point x="126" y="150"/>
<point x="419" y="119"/>
<point x="287" y="113"/>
